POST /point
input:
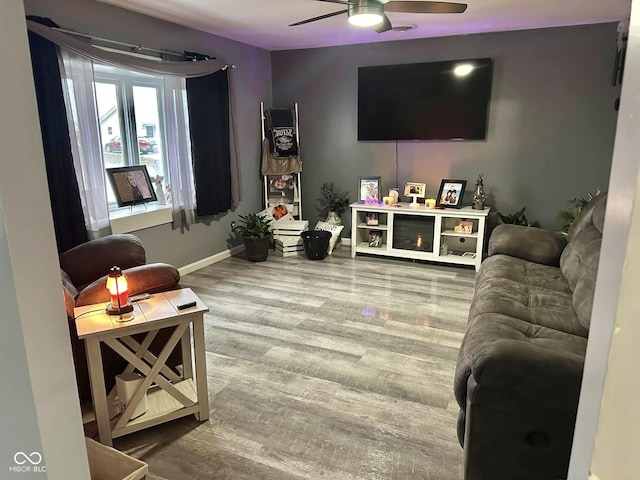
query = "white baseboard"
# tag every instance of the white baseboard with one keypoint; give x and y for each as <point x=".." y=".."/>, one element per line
<point x="192" y="267"/>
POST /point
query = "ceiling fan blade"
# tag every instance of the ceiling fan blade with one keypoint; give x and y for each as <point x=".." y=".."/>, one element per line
<point x="342" y="2"/>
<point x="424" y="7"/>
<point x="321" y="17"/>
<point x="385" y="26"/>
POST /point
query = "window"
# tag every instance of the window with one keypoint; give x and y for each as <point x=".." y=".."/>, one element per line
<point x="121" y="118"/>
<point x="130" y="119"/>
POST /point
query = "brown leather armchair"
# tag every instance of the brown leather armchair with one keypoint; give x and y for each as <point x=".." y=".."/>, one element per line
<point x="84" y="272"/>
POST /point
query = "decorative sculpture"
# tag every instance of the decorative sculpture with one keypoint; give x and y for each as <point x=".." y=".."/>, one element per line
<point x="479" y="196"/>
<point x="157" y="181"/>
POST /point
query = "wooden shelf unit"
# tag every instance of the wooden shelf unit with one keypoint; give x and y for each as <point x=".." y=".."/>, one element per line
<point x="400" y="226"/>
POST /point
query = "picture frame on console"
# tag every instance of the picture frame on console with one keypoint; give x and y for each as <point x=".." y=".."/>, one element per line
<point x="375" y="238"/>
<point x="462" y="226"/>
<point x="450" y="193"/>
<point x="412" y="189"/>
<point x="369" y="189"/>
<point x="415" y="190"/>
<point x="372" y="218"/>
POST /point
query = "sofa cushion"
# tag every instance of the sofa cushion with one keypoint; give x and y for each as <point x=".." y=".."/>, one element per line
<point x="528" y="243"/>
<point x="579" y="260"/>
<point x="500" y="350"/>
<point x="538" y="295"/>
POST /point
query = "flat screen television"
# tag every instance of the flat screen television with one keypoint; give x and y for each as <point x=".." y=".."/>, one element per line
<point x="425" y="101"/>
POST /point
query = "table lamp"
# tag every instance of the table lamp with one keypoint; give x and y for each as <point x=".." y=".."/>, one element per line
<point x="117" y="286"/>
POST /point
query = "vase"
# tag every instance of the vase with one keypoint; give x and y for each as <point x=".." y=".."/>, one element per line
<point x="333" y="218"/>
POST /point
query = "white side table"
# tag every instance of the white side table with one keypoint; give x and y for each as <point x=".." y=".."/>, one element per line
<point x="171" y="396"/>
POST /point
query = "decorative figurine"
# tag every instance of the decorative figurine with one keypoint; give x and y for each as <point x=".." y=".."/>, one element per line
<point x="157" y="180"/>
<point x="479" y="196"/>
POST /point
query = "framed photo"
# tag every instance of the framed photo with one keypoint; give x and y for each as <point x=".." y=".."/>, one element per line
<point x="131" y="185"/>
<point x="369" y="189"/>
<point x="462" y="226"/>
<point x="282" y="189"/>
<point x="450" y="193"/>
<point x="413" y="189"/>
<point x="372" y="218"/>
<point x="375" y="238"/>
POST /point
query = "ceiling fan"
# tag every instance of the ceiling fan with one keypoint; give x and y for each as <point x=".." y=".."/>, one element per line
<point x="371" y="13"/>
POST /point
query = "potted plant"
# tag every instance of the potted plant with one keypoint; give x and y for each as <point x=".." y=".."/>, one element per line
<point x="517" y="218"/>
<point x="332" y="203"/>
<point x="254" y="230"/>
<point x="574" y="207"/>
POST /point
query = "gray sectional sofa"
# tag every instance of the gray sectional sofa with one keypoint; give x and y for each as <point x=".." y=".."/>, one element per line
<point x="520" y="365"/>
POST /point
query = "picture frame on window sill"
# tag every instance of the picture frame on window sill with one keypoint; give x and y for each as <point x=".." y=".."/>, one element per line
<point x="450" y="193"/>
<point x="131" y="185"/>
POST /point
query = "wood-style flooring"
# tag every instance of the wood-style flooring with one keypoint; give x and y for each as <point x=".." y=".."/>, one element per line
<point x="333" y="369"/>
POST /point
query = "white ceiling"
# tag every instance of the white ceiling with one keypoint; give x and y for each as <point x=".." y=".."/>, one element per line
<point x="263" y="23"/>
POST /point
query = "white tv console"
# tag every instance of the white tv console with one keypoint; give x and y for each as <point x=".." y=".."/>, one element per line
<point x="419" y="233"/>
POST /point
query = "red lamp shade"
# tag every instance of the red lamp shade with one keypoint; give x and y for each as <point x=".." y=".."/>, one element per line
<point x="118" y="289"/>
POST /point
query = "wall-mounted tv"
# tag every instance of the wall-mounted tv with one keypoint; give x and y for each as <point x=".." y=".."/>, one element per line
<point x="425" y="101"/>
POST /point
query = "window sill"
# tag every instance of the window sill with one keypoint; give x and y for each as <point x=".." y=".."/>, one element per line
<point x="126" y="220"/>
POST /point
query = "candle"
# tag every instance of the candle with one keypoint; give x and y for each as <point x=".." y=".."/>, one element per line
<point x="387" y="200"/>
<point x="430" y="202"/>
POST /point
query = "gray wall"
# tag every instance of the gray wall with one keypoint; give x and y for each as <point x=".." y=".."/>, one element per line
<point x="551" y="127"/>
<point x="252" y="84"/>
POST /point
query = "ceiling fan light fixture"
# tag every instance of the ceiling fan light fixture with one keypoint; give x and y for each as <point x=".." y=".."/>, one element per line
<point x="365" y="16"/>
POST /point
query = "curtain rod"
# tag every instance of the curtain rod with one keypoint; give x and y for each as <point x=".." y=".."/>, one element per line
<point x="133" y="47"/>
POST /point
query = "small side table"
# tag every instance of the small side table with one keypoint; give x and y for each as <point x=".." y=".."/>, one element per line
<point x="171" y="396"/>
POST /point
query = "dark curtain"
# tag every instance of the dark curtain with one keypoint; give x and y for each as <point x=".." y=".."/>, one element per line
<point x="66" y="207"/>
<point x="208" y="101"/>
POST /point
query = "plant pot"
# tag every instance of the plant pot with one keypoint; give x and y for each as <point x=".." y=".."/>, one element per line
<point x="316" y="244"/>
<point x="257" y="249"/>
<point x="333" y="218"/>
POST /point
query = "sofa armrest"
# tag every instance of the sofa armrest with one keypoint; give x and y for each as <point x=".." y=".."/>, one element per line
<point x="89" y="261"/>
<point x="151" y="278"/>
<point x="550" y="377"/>
<point x="519" y="399"/>
<point x="527" y="243"/>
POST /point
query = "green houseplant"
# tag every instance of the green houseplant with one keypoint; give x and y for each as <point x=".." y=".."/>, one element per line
<point x="332" y="203"/>
<point x="574" y="207"/>
<point x="516" y="218"/>
<point x="254" y="230"/>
